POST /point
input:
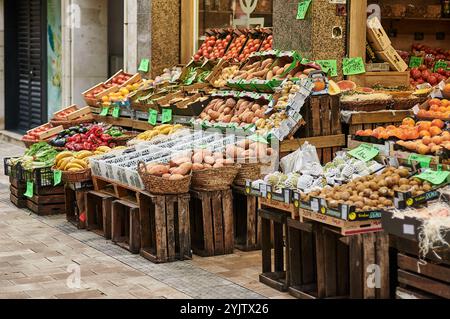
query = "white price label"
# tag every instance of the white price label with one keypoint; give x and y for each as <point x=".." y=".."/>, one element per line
<point x="408" y="229"/>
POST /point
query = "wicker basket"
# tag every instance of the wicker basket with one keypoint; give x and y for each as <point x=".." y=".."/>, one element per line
<point x="161" y="186"/>
<point x="367" y="106"/>
<point x="250" y="171"/>
<point x="78" y="176"/>
<point x="69" y="124"/>
<point x="214" y="179"/>
<point x="407" y="103"/>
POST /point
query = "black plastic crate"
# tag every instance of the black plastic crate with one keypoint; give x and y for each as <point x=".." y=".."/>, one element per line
<point x="42" y="177"/>
<point x="13" y="171"/>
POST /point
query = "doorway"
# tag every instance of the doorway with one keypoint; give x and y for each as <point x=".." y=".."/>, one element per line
<point x="115" y="36"/>
<point x="25" y="64"/>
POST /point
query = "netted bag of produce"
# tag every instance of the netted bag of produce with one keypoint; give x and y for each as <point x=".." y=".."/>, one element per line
<point x="300" y="159"/>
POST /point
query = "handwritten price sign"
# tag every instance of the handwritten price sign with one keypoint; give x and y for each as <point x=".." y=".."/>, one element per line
<point x="329" y="66"/>
<point x="353" y="66"/>
<point x="364" y="152"/>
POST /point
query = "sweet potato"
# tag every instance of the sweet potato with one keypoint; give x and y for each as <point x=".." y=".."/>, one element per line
<point x="214" y="115"/>
<point x="166" y="176"/>
<point x="179" y="161"/>
<point x="245" y="144"/>
<point x="197" y="167"/>
<point x="269" y="75"/>
<point x="218" y="165"/>
<point x="218" y="155"/>
<point x="176" y="177"/>
<point x="266" y="63"/>
<point x="186" y="168"/>
<point x="308" y="71"/>
<point x="159" y="170"/>
<point x="209" y="160"/>
<point x="275" y="70"/>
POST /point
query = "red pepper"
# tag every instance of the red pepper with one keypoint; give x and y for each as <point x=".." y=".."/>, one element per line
<point x="87" y="146"/>
<point x="78" y="147"/>
<point x="106" y="137"/>
<point x="70" y="146"/>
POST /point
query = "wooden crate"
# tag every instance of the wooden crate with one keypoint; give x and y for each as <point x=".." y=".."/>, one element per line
<point x="370" y="79"/>
<point x="125" y="226"/>
<point x="274" y="268"/>
<point x="322" y="116"/>
<point x="326" y="146"/>
<point x="165" y="227"/>
<point x="76" y="213"/>
<point x="371" y="120"/>
<point x="429" y="280"/>
<point x="116" y="189"/>
<point x="99" y="213"/>
<point x="16" y="195"/>
<point x="212" y="223"/>
<point x="325" y="264"/>
<point x="47" y="201"/>
<point x="247" y="224"/>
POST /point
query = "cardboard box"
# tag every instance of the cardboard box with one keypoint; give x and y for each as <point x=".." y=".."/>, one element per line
<point x="391" y="56"/>
<point x="376" y="36"/>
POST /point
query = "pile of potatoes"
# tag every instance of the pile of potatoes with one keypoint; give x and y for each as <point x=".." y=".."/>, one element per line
<point x="372" y="192"/>
<point x="229" y="110"/>
<point x="176" y="170"/>
<point x="247" y="149"/>
<point x="256" y="70"/>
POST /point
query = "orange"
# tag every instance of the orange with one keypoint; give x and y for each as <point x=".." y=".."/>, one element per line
<point x="408" y="122"/>
<point x="319" y="86"/>
<point x="424" y="133"/>
<point x="434" y="102"/>
<point x="438" y="123"/>
<point x="435" y="131"/>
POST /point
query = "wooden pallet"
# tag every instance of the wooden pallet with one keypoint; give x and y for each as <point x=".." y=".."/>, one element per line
<point x="165" y="227"/>
<point x="274" y="268"/>
<point x="289" y="209"/>
<point x="371" y="120"/>
<point x="344" y="227"/>
<point x="212" y="223"/>
<point x="116" y="189"/>
<point x="247" y="224"/>
<point x="125" y="226"/>
<point x="98" y="213"/>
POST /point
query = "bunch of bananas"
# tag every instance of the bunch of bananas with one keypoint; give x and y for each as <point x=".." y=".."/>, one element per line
<point x="72" y="162"/>
<point x="165" y="129"/>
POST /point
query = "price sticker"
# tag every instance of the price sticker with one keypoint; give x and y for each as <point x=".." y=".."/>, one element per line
<point x="258" y="138"/>
<point x="365" y="152"/>
<point x="302" y="9"/>
<point x="440" y="65"/>
<point x="353" y="66"/>
<point x="152" y="117"/>
<point x="434" y="177"/>
<point x="30" y="190"/>
<point x="166" y="116"/>
<point x="104" y="111"/>
<point x="315" y="205"/>
<point x="329" y="67"/>
<point x="116" y="112"/>
<point x="423" y="160"/>
<point x="57" y="177"/>
<point x="144" y="66"/>
<point x="415" y="61"/>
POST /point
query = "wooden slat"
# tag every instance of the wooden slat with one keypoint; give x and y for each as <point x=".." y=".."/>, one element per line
<point x="357" y="32"/>
<point x="382" y="260"/>
<point x="320" y="262"/>
<point x="252" y="222"/>
<point x="217" y="212"/>
<point x="368" y="260"/>
<point x="170" y="212"/>
<point x="342" y="268"/>
<point x="207" y="224"/>
<point x="382" y="117"/>
<point x="319" y="142"/>
<point x="316" y="118"/>
<point x="356" y="271"/>
<point x="428" y="285"/>
<point x="278" y="247"/>
<point x="160" y="228"/>
<point x="266" y="246"/>
<point x="430" y="270"/>
<point x="329" y="247"/>
<point x="295" y="256"/>
<point x="135" y="232"/>
<point x="227" y="202"/>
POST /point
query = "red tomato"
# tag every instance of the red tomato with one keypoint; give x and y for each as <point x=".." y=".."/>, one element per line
<point x="228" y="37"/>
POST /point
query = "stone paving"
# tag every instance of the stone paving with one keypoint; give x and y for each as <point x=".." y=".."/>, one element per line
<point x="41" y="257"/>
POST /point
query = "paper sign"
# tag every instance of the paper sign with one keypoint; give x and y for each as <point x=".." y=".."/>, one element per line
<point x="329" y="66"/>
<point x="166" y="116"/>
<point x="305" y="61"/>
<point x="415" y="61"/>
<point x="116" y="112"/>
<point x="152" y="117"/>
<point x="30" y="190"/>
<point x="353" y="66"/>
<point x="440" y="65"/>
<point x="365" y="152"/>
<point x="423" y="160"/>
<point x="57" y="177"/>
<point x="302" y="9"/>
<point x="144" y="66"/>
<point x="434" y="177"/>
<point x="105" y="111"/>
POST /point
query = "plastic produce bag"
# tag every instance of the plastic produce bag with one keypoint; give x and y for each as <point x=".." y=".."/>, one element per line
<point x="302" y="159"/>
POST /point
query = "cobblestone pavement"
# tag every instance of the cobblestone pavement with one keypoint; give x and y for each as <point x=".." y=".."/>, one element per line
<point x="40" y="257"/>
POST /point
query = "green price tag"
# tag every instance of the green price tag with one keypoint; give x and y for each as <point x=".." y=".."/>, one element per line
<point x="30" y="190"/>
<point x="152" y="117"/>
<point x="434" y="177"/>
<point x="57" y="175"/>
<point x="302" y="9"/>
<point x="415" y="61"/>
<point x="365" y="152"/>
<point x="329" y="66"/>
<point x="116" y="112"/>
<point x="305" y="61"/>
<point x="423" y="160"/>
<point x="440" y="65"/>
<point x="166" y="116"/>
<point x="353" y="66"/>
<point x="105" y="111"/>
<point x="144" y="66"/>
<point x="258" y="138"/>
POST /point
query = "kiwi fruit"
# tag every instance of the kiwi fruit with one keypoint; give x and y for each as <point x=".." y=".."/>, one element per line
<point x="403" y="172"/>
<point x="403" y="181"/>
<point x="426" y="187"/>
<point x="345" y="195"/>
<point x="383" y="191"/>
<point x="359" y="204"/>
<point x="374" y="196"/>
<point x="367" y="192"/>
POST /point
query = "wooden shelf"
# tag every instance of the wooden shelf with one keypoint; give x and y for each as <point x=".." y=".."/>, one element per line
<point x="416" y="19"/>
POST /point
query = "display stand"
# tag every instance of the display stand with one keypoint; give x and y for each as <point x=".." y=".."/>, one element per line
<point x="126" y="226"/>
<point x="98" y="213"/>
